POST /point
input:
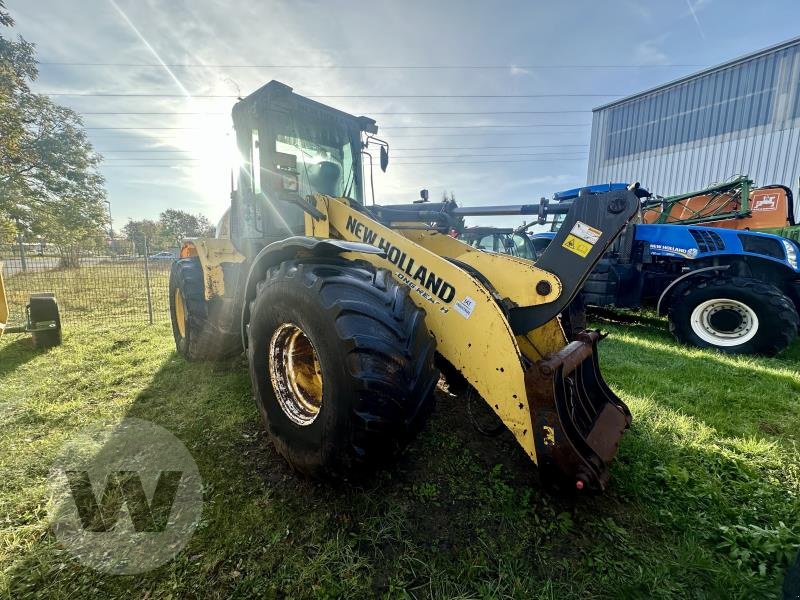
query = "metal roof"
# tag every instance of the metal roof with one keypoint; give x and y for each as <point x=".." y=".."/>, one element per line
<point x="719" y="67"/>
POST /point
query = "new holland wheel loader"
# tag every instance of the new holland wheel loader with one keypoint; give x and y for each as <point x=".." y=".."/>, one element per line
<point x="342" y="304"/>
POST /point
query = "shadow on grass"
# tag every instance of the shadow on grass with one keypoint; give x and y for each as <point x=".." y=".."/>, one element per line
<point x="17" y="353"/>
<point x="460" y="514"/>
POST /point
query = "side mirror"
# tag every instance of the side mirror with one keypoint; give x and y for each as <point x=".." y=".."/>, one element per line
<point x="384" y="158"/>
<point x="424" y="195"/>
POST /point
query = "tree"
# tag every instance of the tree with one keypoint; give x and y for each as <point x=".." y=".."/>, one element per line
<point x="178" y="225"/>
<point x="48" y="168"/>
<point x="137" y="231"/>
<point x="8" y="230"/>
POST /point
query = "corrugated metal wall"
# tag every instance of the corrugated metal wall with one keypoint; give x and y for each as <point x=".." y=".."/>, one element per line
<point x="743" y="118"/>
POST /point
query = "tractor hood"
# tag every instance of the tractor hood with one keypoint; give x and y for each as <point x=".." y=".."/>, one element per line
<point x="704" y="242"/>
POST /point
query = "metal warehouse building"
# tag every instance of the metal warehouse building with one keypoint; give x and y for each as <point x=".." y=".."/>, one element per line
<point x="741" y="117"/>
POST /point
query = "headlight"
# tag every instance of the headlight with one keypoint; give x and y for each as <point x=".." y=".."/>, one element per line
<point x="791" y="253"/>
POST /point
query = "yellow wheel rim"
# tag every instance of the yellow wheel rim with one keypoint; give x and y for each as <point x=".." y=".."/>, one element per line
<point x="180" y="313"/>
<point x="295" y="373"/>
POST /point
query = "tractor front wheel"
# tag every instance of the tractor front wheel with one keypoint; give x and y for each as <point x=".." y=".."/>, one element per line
<point x="341" y="364"/>
<point x="735" y="315"/>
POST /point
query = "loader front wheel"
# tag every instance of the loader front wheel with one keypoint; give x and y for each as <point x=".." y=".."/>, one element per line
<point x="196" y="335"/>
<point x="735" y="315"/>
<point x="341" y="364"/>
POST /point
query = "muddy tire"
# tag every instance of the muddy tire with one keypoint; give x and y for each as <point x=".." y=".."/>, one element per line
<point x="341" y="364"/>
<point x="197" y="336"/>
<point x="735" y="315"/>
<point x="44" y="308"/>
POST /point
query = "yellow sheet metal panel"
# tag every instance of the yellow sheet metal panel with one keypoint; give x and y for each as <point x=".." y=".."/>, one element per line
<point x="514" y="278"/>
<point x="212" y="253"/>
<point x="470" y="328"/>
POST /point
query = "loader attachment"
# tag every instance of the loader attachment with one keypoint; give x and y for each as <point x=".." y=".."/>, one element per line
<point x="580" y="419"/>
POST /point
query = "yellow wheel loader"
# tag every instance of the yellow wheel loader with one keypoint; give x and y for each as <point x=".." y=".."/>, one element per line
<point x="344" y="306"/>
<point x="42" y="318"/>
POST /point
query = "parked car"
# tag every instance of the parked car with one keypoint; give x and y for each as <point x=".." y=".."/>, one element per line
<point x="166" y="255"/>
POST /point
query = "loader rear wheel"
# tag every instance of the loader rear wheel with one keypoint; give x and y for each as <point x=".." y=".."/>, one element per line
<point x="341" y="364"/>
<point x="735" y="315"/>
<point x="196" y="335"/>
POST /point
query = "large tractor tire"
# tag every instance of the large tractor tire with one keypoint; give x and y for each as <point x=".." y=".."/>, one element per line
<point x="197" y="336"/>
<point x="43" y="308"/>
<point x="573" y="318"/>
<point x="735" y="315"/>
<point x="341" y="364"/>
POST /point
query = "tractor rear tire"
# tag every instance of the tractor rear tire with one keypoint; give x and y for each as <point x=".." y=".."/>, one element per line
<point x="341" y="364"/>
<point x="197" y="336"/>
<point x="573" y="318"/>
<point x="735" y="315"/>
<point x="44" y="308"/>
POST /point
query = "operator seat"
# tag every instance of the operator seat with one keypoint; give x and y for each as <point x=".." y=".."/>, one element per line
<point x="324" y="177"/>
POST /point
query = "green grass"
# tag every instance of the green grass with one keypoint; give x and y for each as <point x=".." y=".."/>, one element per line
<point x="703" y="501"/>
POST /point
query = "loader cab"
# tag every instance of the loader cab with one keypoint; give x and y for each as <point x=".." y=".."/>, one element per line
<point x="290" y="147"/>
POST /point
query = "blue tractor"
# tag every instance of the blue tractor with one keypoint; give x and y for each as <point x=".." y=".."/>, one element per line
<point x="733" y="290"/>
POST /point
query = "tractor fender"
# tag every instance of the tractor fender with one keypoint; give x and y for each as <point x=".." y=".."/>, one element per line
<point x="684" y="277"/>
<point x="292" y="247"/>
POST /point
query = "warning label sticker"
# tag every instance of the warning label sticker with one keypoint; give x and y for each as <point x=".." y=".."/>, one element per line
<point x="586" y="232"/>
<point x="577" y="246"/>
<point x="465" y="307"/>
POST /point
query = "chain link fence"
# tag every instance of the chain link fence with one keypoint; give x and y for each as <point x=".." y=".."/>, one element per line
<point x="97" y="281"/>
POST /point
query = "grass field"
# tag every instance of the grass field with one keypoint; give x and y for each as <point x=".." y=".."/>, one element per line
<point x="703" y="502"/>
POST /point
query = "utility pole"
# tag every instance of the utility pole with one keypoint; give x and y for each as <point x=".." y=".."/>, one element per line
<point x="110" y="226"/>
<point x="21" y="242"/>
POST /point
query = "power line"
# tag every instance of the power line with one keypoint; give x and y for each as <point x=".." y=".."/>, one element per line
<point x="145" y="150"/>
<point x="151" y="113"/>
<point x="170" y="138"/>
<point x="483" y="162"/>
<point x="389" y="127"/>
<point x="351" y="96"/>
<point x="553" y="155"/>
<point x="388" y="67"/>
<point x="496" y="147"/>
<point x="427" y="163"/>
<point x="148" y="128"/>
<point x="382" y="127"/>
<point x="474" y="112"/>
<point x="395" y="149"/>
<point x="487" y="133"/>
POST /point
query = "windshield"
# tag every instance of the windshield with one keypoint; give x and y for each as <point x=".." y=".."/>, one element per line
<point x="325" y="160"/>
<point x="515" y="244"/>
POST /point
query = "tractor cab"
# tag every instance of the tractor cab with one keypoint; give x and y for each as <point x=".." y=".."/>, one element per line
<point x="292" y="147"/>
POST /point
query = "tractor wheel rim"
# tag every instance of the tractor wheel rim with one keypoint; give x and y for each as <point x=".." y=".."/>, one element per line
<point x="296" y="374"/>
<point x="724" y="322"/>
<point x="180" y="313"/>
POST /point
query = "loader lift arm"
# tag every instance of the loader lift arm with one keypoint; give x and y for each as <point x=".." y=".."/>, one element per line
<point x="494" y="319"/>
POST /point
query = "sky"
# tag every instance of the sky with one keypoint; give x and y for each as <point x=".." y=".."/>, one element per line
<point x="515" y="82"/>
